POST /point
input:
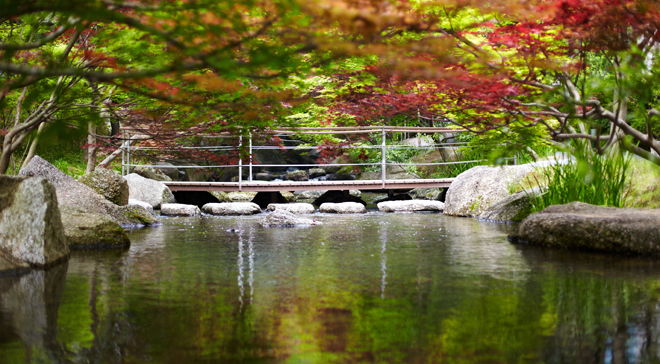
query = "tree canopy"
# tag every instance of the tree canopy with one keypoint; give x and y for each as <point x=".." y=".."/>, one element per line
<point x="533" y="72"/>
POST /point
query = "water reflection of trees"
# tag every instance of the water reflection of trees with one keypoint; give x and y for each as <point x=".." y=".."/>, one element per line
<point x="262" y="296"/>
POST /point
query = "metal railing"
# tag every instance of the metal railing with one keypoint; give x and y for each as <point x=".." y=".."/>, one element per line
<point x="127" y="148"/>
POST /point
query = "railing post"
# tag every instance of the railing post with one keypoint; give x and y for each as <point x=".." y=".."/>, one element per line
<point x="123" y="154"/>
<point x="383" y="158"/>
<point x="128" y="155"/>
<point x="240" y="164"/>
<point x="250" y="157"/>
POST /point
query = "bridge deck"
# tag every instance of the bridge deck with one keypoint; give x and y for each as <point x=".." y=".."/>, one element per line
<point x="262" y="186"/>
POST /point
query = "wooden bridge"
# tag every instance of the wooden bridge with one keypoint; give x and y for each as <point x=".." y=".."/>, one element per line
<point x="250" y="185"/>
<point x="310" y="185"/>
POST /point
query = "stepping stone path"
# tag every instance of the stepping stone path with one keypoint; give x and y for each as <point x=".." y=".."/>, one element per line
<point x="343" y="208"/>
<point x="296" y="208"/>
<point x="178" y="209"/>
<point x="411" y="206"/>
<point x="232" y="208"/>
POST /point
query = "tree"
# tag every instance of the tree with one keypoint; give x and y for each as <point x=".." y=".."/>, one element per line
<point x="573" y="68"/>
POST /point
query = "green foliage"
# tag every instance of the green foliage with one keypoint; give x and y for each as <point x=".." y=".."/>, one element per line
<point x="74" y="170"/>
<point x="590" y="178"/>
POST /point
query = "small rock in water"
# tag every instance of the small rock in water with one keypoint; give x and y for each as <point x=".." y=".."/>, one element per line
<point x="285" y="218"/>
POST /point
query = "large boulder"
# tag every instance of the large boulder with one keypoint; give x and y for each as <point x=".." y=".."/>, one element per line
<point x="75" y="194"/>
<point x="411" y="206"/>
<point x="295" y="208"/>
<point x="476" y="189"/>
<point x="178" y="209"/>
<point x="231" y="208"/>
<point x="513" y="208"/>
<point x="86" y="230"/>
<point x="31" y="232"/>
<point x="343" y="208"/>
<point x="582" y="226"/>
<point x="150" y="191"/>
<point x="281" y="217"/>
<point x="108" y="184"/>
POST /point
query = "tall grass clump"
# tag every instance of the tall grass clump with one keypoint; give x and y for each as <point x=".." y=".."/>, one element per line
<point x="588" y="177"/>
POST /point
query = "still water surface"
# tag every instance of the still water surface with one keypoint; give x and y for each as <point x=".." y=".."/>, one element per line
<point x="383" y="288"/>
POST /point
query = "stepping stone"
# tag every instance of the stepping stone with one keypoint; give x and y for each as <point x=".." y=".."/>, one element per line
<point x="232" y="208"/>
<point x="411" y="206"/>
<point x="281" y="217"/>
<point x="343" y="208"/>
<point x="296" y="208"/>
<point x="179" y="209"/>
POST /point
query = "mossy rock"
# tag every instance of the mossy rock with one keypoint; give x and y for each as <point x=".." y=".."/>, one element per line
<point x="221" y="196"/>
<point x="89" y="230"/>
<point x="108" y="184"/>
<point x="139" y="215"/>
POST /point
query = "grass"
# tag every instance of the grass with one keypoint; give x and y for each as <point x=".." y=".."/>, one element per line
<point x="644" y="188"/>
<point x="590" y="178"/>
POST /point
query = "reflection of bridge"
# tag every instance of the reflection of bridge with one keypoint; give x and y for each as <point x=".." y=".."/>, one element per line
<point x="262" y="186"/>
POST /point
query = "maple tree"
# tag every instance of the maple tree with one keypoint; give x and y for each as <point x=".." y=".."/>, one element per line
<point x="534" y="72"/>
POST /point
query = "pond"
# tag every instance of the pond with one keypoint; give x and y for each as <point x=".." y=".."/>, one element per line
<point x="383" y="288"/>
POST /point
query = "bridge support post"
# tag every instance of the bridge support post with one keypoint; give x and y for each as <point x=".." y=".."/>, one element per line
<point x="123" y="154"/>
<point x="250" y="176"/>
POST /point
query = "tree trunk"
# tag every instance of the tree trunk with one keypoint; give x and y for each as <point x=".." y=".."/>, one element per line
<point x="33" y="146"/>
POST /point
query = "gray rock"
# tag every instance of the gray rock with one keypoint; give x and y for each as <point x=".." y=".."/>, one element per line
<point x="178" y="209"/>
<point x="582" y="226"/>
<point x="513" y="208"/>
<point x="170" y="170"/>
<point x="232" y="208"/>
<point x="476" y="189"/>
<point x="31" y="232"/>
<point x="141" y="215"/>
<point x="297" y="176"/>
<point x="314" y="194"/>
<point x="309" y="195"/>
<point x="289" y="196"/>
<point x="150" y="191"/>
<point x="146" y="206"/>
<point x="280" y="217"/>
<point x="85" y="230"/>
<point x="295" y="208"/>
<point x="108" y="184"/>
<point x="426" y="193"/>
<point x="411" y="206"/>
<point x="241" y="196"/>
<point x="392" y="172"/>
<point x="316" y="172"/>
<point x="343" y="208"/>
<point x="220" y="195"/>
<point x="151" y="173"/>
<point x="75" y="194"/>
<point x="264" y="176"/>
